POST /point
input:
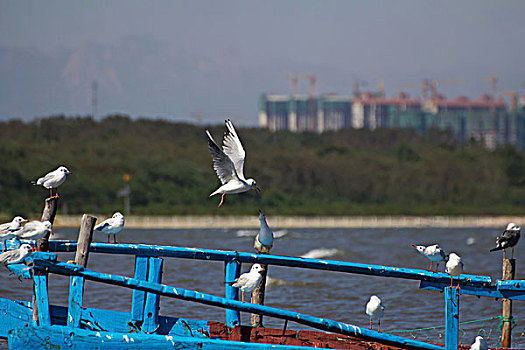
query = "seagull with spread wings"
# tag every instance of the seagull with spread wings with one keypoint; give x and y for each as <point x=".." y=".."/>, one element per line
<point x="229" y="163"/>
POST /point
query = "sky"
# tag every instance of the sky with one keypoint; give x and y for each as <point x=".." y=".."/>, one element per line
<point x="176" y="59"/>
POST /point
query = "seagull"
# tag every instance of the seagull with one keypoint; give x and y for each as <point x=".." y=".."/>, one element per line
<point x="374" y="310"/>
<point x="479" y="344"/>
<point x="433" y="253"/>
<point x="454" y="266"/>
<point x="35" y="230"/>
<point x="53" y="180"/>
<point x="112" y="226"/>
<point x="508" y="238"/>
<point x="264" y="239"/>
<point x="248" y="281"/>
<point x="9" y="229"/>
<point x="15" y="256"/>
<point x="229" y="163"/>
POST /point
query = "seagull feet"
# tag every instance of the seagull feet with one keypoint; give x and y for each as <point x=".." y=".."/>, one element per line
<point x="222" y="200"/>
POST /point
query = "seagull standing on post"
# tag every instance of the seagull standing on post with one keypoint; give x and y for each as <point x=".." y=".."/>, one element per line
<point x="247" y="282"/>
<point x="454" y="267"/>
<point x="9" y="229"/>
<point x="15" y="256"/>
<point x="35" y="230"/>
<point x="374" y="310"/>
<point x="229" y="163"/>
<point x="264" y="239"/>
<point x="508" y="238"/>
<point x="53" y="180"/>
<point x="433" y="252"/>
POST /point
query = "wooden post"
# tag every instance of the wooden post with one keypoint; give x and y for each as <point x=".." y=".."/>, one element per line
<point x="509" y="266"/>
<point x="151" y="307"/>
<point x="258" y="297"/>
<point x="50" y="210"/>
<point x="232" y="271"/>
<point x="451" y="318"/>
<point x="76" y="284"/>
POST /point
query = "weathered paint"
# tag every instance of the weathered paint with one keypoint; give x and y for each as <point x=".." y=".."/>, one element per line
<point x="139" y="297"/>
<point x="319" y="264"/>
<point x="494" y="291"/>
<point x="232" y="271"/>
<point x="76" y="294"/>
<point x="42" y="299"/>
<point x="151" y="308"/>
<point x="451" y="318"/>
<point x="184" y="294"/>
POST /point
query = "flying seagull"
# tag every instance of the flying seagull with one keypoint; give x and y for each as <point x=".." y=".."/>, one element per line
<point x="229" y="163"/>
<point x="374" y="310"/>
<point x="264" y="239"/>
<point x="53" y="180"/>
<point x="433" y="252"/>
<point x="508" y="238"/>
<point x="112" y="226"/>
<point x="247" y="282"/>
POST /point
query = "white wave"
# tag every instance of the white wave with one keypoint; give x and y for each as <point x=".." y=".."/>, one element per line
<point x="321" y="253"/>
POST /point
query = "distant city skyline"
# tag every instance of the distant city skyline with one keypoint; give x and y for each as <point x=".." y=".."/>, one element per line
<point x="178" y="60"/>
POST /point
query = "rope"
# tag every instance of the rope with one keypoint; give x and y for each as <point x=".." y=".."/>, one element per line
<point x="502" y="319"/>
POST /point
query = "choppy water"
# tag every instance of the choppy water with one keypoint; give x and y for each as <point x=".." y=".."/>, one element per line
<point x="333" y="295"/>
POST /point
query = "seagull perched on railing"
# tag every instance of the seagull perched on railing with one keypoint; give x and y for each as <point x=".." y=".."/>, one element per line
<point x="508" y="239"/>
<point x="229" y="163"/>
<point x="374" y="309"/>
<point x="433" y="252"/>
<point x="53" y="180"/>
<point x="35" y="230"/>
<point x="264" y="239"/>
<point x="247" y="282"/>
<point x="15" y="256"/>
<point x="479" y="344"/>
<point x="454" y="267"/>
<point x="9" y="229"/>
<point x="112" y="226"/>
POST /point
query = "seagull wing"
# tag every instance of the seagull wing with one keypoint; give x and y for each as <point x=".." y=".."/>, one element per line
<point x="8" y="256"/>
<point x="46" y="178"/>
<point x="104" y="224"/>
<point x="222" y="164"/>
<point x="241" y="281"/>
<point x="233" y="148"/>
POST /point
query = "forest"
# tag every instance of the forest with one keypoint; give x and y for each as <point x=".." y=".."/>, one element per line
<point x="346" y="172"/>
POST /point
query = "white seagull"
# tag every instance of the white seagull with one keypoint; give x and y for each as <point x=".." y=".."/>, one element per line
<point x="433" y="252"/>
<point x="15" y="256"/>
<point x="112" y="226"/>
<point x="9" y="229"/>
<point x="35" y="230"/>
<point x="454" y="266"/>
<point x="229" y="163"/>
<point x="508" y="238"/>
<point x="479" y="344"/>
<point x="264" y="239"/>
<point x="374" y="310"/>
<point x="53" y="180"/>
<point x="248" y="281"/>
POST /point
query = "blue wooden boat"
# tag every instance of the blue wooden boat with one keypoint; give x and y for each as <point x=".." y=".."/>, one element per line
<point x="37" y="324"/>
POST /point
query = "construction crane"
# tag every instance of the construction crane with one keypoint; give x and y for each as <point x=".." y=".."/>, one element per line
<point x="513" y="96"/>
<point x="434" y="83"/>
<point x="312" y="79"/>
<point x="294" y="80"/>
<point x="493" y="79"/>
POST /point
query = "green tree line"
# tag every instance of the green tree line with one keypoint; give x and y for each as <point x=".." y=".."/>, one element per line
<point x="346" y="172"/>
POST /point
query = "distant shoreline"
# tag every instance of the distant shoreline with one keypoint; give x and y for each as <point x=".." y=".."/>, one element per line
<point x="281" y="222"/>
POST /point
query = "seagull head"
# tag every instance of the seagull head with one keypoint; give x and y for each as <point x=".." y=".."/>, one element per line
<point x="19" y="220"/>
<point x="117" y="215"/>
<point x="419" y="248"/>
<point x="253" y="185"/>
<point x="256" y="268"/>
<point x="26" y="249"/>
<point x="64" y="170"/>
<point x="49" y="226"/>
<point x="512" y="227"/>
<point x="261" y="215"/>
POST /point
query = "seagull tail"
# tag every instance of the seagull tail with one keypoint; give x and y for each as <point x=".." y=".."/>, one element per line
<point x="494" y="249"/>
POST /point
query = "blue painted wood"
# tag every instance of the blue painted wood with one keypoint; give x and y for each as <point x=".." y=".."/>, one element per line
<point x="232" y="271"/>
<point x="319" y="264"/>
<point x="490" y="292"/>
<point x="21" y="270"/>
<point x="151" y="308"/>
<point x="184" y="294"/>
<point x="510" y="285"/>
<point x="59" y="337"/>
<point x="42" y="299"/>
<point x="139" y="297"/>
<point x="76" y="295"/>
<point x="451" y="318"/>
<point x="14" y="314"/>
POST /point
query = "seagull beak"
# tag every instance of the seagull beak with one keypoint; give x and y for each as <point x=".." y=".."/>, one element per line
<point x="260" y="211"/>
<point x="415" y="246"/>
<point x="51" y="231"/>
<point x="257" y="189"/>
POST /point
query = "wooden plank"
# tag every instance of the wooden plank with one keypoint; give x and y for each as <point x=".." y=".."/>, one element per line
<point x="139" y="297"/>
<point x="318" y="264"/>
<point x="258" y="297"/>
<point x="61" y="337"/>
<point x="451" y="318"/>
<point x="85" y="237"/>
<point x="151" y="308"/>
<point x="76" y="295"/>
<point x="14" y="314"/>
<point x="506" y="330"/>
<point x="232" y="271"/>
<point x="48" y="214"/>
<point x="42" y="299"/>
<point x="207" y="299"/>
